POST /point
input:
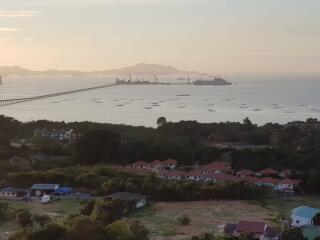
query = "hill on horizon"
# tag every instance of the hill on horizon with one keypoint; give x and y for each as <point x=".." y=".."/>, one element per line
<point x="138" y="69"/>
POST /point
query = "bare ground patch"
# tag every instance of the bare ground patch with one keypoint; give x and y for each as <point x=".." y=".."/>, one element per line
<point x="206" y="216"/>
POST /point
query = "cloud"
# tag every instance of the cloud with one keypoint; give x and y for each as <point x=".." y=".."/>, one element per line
<point x="9" y="29"/>
<point x="17" y="14"/>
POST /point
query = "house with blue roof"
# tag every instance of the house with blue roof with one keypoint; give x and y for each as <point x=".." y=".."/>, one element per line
<point x="12" y="192"/>
<point x="302" y="216"/>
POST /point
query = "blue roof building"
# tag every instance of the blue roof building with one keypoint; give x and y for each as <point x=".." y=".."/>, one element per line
<point x="302" y="216"/>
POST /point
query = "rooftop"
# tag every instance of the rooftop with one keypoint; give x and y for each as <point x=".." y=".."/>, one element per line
<point x="305" y="212"/>
<point x="249" y="226"/>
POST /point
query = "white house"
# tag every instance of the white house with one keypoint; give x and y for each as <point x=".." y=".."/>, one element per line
<point x="302" y="216"/>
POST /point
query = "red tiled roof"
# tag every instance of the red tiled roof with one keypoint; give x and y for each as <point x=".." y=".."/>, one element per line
<point x="223" y="177"/>
<point x="268" y="180"/>
<point x="217" y="166"/>
<point x="290" y="181"/>
<point x="140" y="164"/>
<point x="245" y="172"/>
<point x="268" y="171"/>
<point x="155" y="163"/>
<point x="250" y="226"/>
<point x="286" y="173"/>
<point x="170" y="161"/>
<point x="195" y="173"/>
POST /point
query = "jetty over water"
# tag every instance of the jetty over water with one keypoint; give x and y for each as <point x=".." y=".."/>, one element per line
<point x="7" y="102"/>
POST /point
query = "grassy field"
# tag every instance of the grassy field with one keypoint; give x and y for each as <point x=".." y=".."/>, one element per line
<point x="210" y="216"/>
<point x="161" y="217"/>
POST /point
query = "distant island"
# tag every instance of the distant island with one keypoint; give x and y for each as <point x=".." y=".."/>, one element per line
<point x="138" y="69"/>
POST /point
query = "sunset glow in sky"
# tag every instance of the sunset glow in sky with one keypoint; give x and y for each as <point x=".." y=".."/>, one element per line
<point x="222" y="36"/>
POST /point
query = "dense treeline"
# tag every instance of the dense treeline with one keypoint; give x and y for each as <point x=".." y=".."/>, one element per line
<point x="101" y="180"/>
<point x="292" y="146"/>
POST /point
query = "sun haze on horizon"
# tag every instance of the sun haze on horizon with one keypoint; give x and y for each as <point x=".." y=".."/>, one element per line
<point x="224" y="36"/>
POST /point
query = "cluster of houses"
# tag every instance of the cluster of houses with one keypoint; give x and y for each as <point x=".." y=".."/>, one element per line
<point x="301" y="217"/>
<point x="219" y="172"/>
<point x="37" y="190"/>
<point x="58" y="135"/>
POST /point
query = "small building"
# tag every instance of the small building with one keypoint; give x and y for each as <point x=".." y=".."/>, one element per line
<point x="302" y="216"/>
<point x="256" y="228"/>
<point x="136" y="200"/>
<point x="217" y="167"/>
<point x="40" y="189"/>
<point x="170" y="164"/>
<point x="268" y="172"/>
<point x="195" y="175"/>
<point x="155" y="165"/>
<point x="287" y="185"/>
<point x="311" y="232"/>
<point x="140" y="164"/>
<point x="267" y="182"/>
<point x="286" y="173"/>
<point x="12" y="192"/>
<point x="64" y="191"/>
<point x="245" y="173"/>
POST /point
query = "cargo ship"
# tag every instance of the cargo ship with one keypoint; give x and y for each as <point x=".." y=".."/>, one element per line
<point x="218" y="81"/>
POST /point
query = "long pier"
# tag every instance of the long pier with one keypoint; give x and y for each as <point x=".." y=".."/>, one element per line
<point x="7" y="102"/>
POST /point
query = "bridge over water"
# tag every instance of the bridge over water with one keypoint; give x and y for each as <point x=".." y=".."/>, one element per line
<point x="7" y="102"/>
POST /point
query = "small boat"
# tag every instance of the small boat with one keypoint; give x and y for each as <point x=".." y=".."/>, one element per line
<point x="211" y="110"/>
<point x="148" y="108"/>
<point x="183" y="95"/>
<point x="257" y="109"/>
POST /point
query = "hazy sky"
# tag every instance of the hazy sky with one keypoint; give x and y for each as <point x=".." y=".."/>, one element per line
<point x="220" y="36"/>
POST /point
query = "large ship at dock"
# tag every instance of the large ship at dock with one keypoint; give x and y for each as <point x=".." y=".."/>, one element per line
<point x="217" y="80"/>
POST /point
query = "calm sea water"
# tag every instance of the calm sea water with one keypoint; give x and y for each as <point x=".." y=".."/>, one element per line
<point x="262" y="99"/>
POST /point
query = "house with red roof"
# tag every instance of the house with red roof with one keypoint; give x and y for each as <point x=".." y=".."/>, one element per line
<point x="171" y="174"/>
<point x="220" y="178"/>
<point x="156" y="165"/>
<point x="245" y="173"/>
<point x="140" y="164"/>
<point x="287" y="185"/>
<point x="217" y="167"/>
<point x="195" y="175"/>
<point x="267" y="181"/>
<point x="170" y="163"/>
<point x="256" y="228"/>
<point x="285" y="173"/>
<point x="268" y="172"/>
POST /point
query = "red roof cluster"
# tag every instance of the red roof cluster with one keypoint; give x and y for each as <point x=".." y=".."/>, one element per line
<point x="217" y="166"/>
<point x="268" y="171"/>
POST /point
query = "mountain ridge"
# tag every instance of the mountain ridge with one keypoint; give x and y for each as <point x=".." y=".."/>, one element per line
<point x="137" y="69"/>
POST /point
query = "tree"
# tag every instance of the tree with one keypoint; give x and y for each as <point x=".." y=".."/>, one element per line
<point x="316" y="219"/>
<point x="139" y="231"/>
<point x="184" y="219"/>
<point x="42" y="220"/>
<point x="98" y="146"/>
<point x="161" y="121"/>
<point x="247" y="236"/>
<point x="49" y="232"/>
<point x="4" y="210"/>
<point x="293" y="234"/>
<point x="118" y="230"/>
<point x="24" y="218"/>
<point x="106" y="212"/>
<point x="82" y="228"/>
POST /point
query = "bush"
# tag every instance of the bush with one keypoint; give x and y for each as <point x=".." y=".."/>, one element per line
<point x="184" y="219"/>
